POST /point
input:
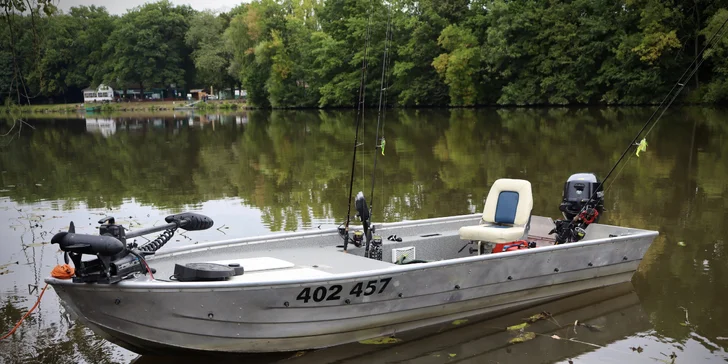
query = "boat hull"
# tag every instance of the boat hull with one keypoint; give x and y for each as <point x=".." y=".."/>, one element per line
<point x="149" y="340"/>
<point x="298" y="314"/>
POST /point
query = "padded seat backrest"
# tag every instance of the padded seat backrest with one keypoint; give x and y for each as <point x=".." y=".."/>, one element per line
<point x="509" y="202"/>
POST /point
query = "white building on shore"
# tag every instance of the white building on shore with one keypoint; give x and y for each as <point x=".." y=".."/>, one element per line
<point x="99" y="94"/>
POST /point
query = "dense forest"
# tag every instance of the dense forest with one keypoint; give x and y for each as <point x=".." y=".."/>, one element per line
<point x="309" y="53"/>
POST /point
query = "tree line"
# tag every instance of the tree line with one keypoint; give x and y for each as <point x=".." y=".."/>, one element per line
<point x="309" y="53"/>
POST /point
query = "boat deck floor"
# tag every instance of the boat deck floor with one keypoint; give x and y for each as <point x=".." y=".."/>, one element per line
<point x="281" y="264"/>
<point x="316" y="256"/>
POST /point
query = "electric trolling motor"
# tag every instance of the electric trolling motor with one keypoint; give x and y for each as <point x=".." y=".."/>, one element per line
<point x="115" y="259"/>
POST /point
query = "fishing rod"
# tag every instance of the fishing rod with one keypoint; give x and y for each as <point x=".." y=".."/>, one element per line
<point x="380" y="144"/>
<point x="676" y="88"/>
<point x="359" y="118"/>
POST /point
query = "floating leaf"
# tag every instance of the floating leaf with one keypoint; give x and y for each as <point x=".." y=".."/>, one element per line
<point x="681" y="243"/>
<point x="452" y="355"/>
<point x="523" y="337"/>
<point x="517" y="327"/>
<point x="459" y="322"/>
<point x="637" y="349"/>
<point x="683" y="324"/>
<point x="380" y="341"/>
<point x="539" y="316"/>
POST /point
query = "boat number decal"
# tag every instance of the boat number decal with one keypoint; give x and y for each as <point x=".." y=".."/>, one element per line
<point x="333" y="293"/>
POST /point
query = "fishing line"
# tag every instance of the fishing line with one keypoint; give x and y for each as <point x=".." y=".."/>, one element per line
<point x="359" y="118"/>
<point x="382" y="98"/>
<point x="680" y="84"/>
<point x="677" y="87"/>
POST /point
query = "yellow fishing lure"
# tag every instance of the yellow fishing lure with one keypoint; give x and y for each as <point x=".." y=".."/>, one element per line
<point x="641" y="147"/>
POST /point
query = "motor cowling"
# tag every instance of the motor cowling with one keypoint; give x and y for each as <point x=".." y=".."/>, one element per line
<point x="579" y="190"/>
<point x="582" y="204"/>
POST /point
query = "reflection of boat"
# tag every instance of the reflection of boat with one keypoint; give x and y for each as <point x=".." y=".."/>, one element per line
<point x="615" y="310"/>
<point x="301" y="291"/>
<point x="93" y="108"/>
<point x="104" y="126"/>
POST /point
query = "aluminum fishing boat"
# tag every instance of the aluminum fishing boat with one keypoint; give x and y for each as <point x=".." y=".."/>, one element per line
<point x="321" y="288"/>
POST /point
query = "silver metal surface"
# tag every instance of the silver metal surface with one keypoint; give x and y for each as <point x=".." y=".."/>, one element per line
<point x="288" y="307"/>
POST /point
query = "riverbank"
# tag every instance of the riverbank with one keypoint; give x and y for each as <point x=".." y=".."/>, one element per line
<point x="124" y="107"/>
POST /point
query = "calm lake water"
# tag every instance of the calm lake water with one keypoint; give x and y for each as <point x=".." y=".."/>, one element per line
<point x="260" y="172"/>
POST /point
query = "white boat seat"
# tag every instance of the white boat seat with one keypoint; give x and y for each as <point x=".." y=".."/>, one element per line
<point x="506" y="215"/>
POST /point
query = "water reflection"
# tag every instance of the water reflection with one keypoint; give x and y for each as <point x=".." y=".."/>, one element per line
<point x="106" y="127"/>
<point x="266" y="171"/>
<point x="609" y="323"/>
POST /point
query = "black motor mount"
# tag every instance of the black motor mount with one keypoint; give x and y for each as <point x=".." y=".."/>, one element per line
<point x="115" y="259"/>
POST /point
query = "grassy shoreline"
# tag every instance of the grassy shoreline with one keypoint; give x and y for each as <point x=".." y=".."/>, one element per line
<point x="123" y="107"/>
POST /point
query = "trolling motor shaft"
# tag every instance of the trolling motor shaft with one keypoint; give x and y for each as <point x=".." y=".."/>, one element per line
<point x="115" y="259"/>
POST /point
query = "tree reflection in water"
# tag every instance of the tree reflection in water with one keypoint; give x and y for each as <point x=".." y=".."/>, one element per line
<point x="290" y="170"/>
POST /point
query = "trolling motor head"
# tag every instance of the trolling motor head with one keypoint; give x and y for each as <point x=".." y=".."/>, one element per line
<point x="115" y="259"/>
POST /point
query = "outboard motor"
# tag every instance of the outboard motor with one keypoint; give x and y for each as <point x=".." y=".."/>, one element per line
<point x="115" y="259"/>
<point x="582" y="204"/>
<point x="580" y="189"/>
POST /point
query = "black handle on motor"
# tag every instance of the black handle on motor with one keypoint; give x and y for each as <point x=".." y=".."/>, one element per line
<point x="190" y="221"/>
<point x="88" y="244"/>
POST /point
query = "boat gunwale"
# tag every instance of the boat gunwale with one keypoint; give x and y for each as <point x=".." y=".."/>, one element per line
<point x="147" y="284"/>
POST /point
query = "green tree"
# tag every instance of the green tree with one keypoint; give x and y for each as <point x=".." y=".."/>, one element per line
<point x="717" y="89"/>
<point x="73" y="56"/>
<point x="646" y="56"/>
<point x="253" y="25"/>
<point x="415" y="81"/>
<point x="210" y="55"/>
<point x="23" y="31"/>
<point x="147" y="47"/>
<point x="357" y="33"/>
<point x="460" y="66"/>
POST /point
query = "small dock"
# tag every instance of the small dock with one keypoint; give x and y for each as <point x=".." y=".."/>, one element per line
<point x="190" y="106"/>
